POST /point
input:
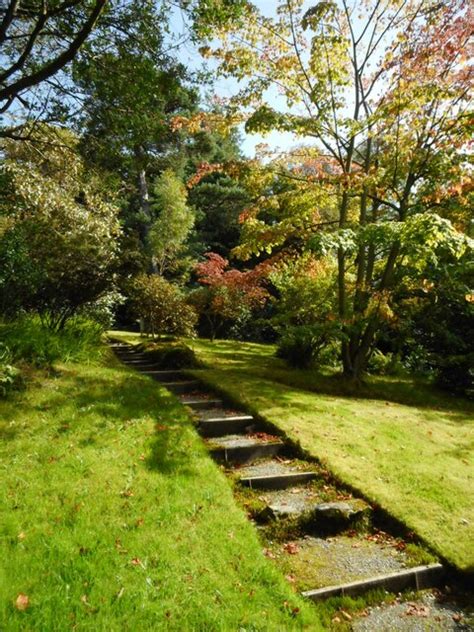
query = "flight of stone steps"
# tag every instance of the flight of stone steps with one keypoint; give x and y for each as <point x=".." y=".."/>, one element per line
<point x="325" y="540"/>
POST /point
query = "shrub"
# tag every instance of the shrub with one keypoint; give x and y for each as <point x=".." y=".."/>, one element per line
<point x="456" y="374"/>
<point x="29" y="340"/>
<point x="302" y="346"/>
<point x="172" y="356"/>
<point x="161" y="306"/>
<point x="10" y="376"/>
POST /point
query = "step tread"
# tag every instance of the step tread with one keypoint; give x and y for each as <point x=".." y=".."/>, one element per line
<point x="216" y="420"/>
<point x="319" y="562"/>
<point x="272" y="467"/>
<point x="230" y="442"/>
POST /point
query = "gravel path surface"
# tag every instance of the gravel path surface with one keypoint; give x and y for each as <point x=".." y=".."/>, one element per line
<point x="318" y="562"/>
<point x="427" y="614"/>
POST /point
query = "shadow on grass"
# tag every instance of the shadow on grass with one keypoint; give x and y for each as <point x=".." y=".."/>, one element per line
<point x="118" y="398"/>
<point x="257" y="360"/>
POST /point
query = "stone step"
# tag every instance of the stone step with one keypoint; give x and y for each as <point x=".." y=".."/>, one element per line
<point x="301" y="505"/>
<point x="277" y="481"/>
<point x="220" y="426"/>
<point x="181" y="386"/>
<point x="127" y="351"/>
<point x="243" y="449"/>
<point x="417" y="578"/>
<point x="142" y="367"/>
<point x="351" y="564"/>
<point x="199" y="403"/>
<point x="274" y="474"/>
<point x="165" y="376"/>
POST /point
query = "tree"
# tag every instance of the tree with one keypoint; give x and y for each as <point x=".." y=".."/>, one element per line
<point x="59" y="248"/>
<point x="228" y="294"/>
<point x="131" y="88"/>
<point x="382" y="89"/>
<point x="173" y="223"/>
<point x="38" y="39"/>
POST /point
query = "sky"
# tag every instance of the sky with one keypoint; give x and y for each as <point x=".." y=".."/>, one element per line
<point x="227" y="87"/>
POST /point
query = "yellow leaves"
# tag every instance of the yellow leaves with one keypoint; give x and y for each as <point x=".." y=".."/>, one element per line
<point x="206" y="121"/>
<point x="22" y="602"/>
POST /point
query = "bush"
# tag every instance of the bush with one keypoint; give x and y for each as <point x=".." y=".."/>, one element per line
<point x="302" y="347"/>
<point x="10" y="376"/>
<point x="456" y="374"/>
<point x="385" y="363"/>
<point x="172" y="357"/>
<point x="29" y="340"/>
<point x="161" y="306"/>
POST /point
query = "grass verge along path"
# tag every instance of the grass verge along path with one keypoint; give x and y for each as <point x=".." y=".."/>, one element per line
<point x="403" y="445"/>
<point x="115" y="518"/>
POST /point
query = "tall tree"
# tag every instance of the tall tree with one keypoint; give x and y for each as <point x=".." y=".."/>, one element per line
<point x="382" y="88"/>
<point x="131" y="88"/>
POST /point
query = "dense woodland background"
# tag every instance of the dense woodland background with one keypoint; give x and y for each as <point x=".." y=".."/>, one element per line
<point x="126" y="199"/>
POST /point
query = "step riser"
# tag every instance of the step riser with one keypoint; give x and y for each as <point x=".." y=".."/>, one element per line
<point x="282" y="481"/>
<point x="226" y="426"/>
<point x="204" y="404"/>
<point x="245" y="454"/>
<point x="165" y="376"/>
<point x="418" y="578"/>
<point x="181" y="388"/>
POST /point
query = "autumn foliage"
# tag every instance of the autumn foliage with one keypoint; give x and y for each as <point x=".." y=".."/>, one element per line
<point x="227" y="292"/>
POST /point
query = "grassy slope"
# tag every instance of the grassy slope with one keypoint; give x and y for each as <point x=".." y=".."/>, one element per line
<point x="415" y="459"/>
<point x="114" y="517"/>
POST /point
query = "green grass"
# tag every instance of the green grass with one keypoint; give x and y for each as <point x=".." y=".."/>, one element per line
<point x="115" y="518"/>
<point x="402" y="444"/>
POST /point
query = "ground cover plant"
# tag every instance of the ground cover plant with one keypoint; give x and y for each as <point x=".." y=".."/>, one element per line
<point x="115" y="518"/>
<point x="403" y="445"/>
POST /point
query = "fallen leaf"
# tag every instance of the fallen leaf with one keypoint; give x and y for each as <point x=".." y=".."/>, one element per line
<point x="346" y="615"/>
<point x="417" y="610"/>
<point x="291" y="548"/>
<point x="22" y="602"/>
<point x="136" y="561"/>
<point x="268" y="553"/>
<point x="21" y="536"/>
<point x="290" y="578"/>
<point x="336" y="620"/>
<point x="457" y="617"/>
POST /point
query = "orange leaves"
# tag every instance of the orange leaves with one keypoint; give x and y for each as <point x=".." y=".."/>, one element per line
<point x="291" y="548"/>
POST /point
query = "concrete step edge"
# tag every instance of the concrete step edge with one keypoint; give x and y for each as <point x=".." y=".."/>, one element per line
<point x="260" y="482"/>
<point x="216" y="420"/>
<point x="419" y="577"/>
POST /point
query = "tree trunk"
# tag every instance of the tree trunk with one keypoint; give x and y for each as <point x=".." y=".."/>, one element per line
<point x="145" y="203"/>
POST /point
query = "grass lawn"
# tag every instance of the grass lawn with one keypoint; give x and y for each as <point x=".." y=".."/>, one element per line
<point x="114" y="517"/>
<point x="404" y="445"/>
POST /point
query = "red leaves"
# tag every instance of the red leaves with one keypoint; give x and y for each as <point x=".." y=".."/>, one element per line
<point x="232" y="288"/>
